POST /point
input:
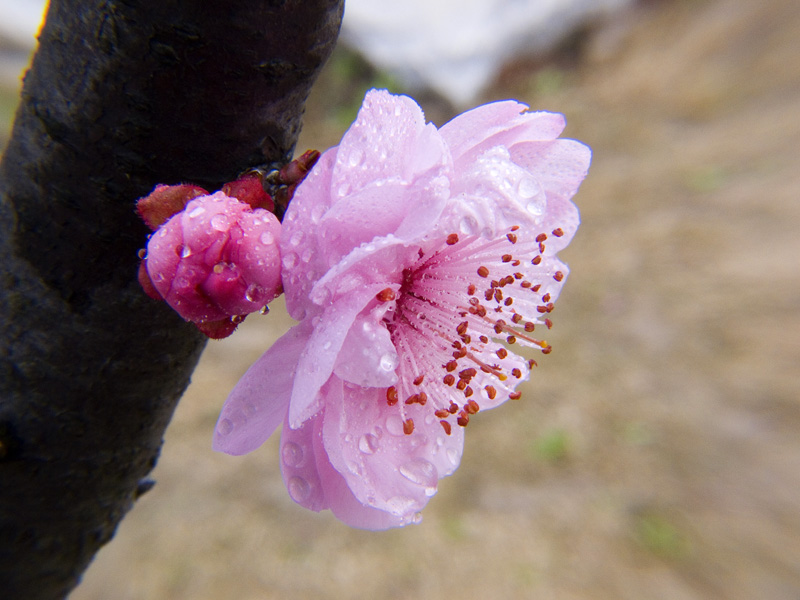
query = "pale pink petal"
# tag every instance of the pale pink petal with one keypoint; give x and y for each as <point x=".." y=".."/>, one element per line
<point x="260" y="400"/>
<point x="498" y="124"/>
<point x="300" y="455"/>
<point x="343" y="503"/>
<point x="315" y="363"/>
<point x="368" y="357"/>
<point x="385" y="468"/>
<point x="304" y="254"/>
<point x="379" y="145"/>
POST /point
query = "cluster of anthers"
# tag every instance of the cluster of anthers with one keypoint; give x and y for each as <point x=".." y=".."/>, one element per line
<point x="461" y="333"/>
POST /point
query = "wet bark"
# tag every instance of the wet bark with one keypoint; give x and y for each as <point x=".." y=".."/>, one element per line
<point x="121" y="95"/>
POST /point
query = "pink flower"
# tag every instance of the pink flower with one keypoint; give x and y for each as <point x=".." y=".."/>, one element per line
<point x="216" y="261"/>
<point x="415" y="259"/>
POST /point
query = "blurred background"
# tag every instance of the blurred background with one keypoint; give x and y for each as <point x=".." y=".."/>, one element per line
<point x="656" y="451"/>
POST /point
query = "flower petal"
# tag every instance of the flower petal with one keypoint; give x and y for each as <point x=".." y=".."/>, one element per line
<point x="368" y="357"/>
<point x="316" y="361"/>
<point x="497" y="124"/>
<point x="385" y="468"/>
<point x="300" y="455"/>
<point x="260" y="401"/>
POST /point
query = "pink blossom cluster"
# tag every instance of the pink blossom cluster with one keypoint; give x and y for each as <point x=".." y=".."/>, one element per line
<point x="418" y="262"/>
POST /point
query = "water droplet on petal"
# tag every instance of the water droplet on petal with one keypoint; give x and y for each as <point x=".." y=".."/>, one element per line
<point x="299" y="489"/>
<point x="290" y="260"/>
<point x="186" y="252"/>
<point x="316" y="214"/>
<point x="254" y="293"/>
<point x="420" y="471"/>
<point x="196" y="212"/>
<point x="355" y="158"/>
<point x="292" y="454"/>
<point x="219" y="222"/>
<point x="388" y="362"/>
<point x="528" y="187"/>
<point x="368" y="444"/>
<point x="296" y="239"/>
<point x="267" y="238"/>
<point x="452" y="456"/>
<point x="468" y="225"/>
<point x="225" y="426"/>
<point x="400" y="504"/>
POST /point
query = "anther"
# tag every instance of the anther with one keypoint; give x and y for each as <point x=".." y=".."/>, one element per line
<point x="449" y="379"/>
<point x="462" y="327"/>
<point x="549" y="323"/>
<point x="558" y="232"/>
<point x="391" y="396"/>
<point x="471" y="289"/>
<point x="558" y="276"/>
<point x="419" y="379"/>
<point x="446" y="426"/>
<point x="408" y="426"/>
<point x="501" y="353"/>
<point x="452" y="239"/>
<point x="453" y="408"/>
<point x="506" y="258"/>
<point x="515" y="395"/>
<point x="541" y="237"/>
<point x="536" y="260"/>
<point x="472" y="407"/>
<point x="468" y="392"/>
<point x="512" y="238"/>
<point x="516" y="372"/>
<point x="385" y="295"/>
<point x="451" y="366"/>
<point x="463" y="419"/>
<point x="491" y="392"/>
<point x="483" y="271"/>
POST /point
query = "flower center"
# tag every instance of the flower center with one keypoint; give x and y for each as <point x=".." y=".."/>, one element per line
<point x="458" y="312"/>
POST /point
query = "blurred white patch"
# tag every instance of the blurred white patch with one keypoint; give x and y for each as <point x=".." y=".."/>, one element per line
<point x="455" y="47"/>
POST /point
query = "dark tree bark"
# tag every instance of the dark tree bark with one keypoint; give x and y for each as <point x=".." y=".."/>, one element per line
<point x="122" y="95"/>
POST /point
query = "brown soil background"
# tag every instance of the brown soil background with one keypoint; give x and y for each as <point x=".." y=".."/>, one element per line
<point x="656" y="452"/>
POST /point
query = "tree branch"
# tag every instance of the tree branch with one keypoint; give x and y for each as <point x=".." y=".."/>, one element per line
<point x="121" y="95"/>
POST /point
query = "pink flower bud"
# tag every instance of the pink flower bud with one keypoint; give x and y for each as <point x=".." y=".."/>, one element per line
<point x="216" y="261"/>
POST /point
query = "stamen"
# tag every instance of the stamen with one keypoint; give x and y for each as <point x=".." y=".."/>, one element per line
<point x="391" y="396"/>
<point x="408" y="426"/>
<point x="452" y="239"/>
<point x="385" y="295"/>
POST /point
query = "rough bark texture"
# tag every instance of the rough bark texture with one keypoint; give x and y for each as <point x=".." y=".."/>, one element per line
<point x="121" y="95"/>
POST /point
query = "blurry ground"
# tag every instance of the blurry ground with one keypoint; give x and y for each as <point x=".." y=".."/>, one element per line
<point x="656" y="453"/>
